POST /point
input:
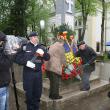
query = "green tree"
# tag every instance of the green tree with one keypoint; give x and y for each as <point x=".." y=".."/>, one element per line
<point x="60" y="29"/>
<point x="5" y="6"/>
<point x="87" y="7"/>
<point x="17" y="15"/>
<point x="38" y="11"/>
<point x="17" y="22"/>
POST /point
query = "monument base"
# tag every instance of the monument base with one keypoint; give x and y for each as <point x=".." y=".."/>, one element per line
<point x="71" y="96"/>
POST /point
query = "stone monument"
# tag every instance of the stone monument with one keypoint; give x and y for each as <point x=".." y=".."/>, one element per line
<point x="65" y="12"/>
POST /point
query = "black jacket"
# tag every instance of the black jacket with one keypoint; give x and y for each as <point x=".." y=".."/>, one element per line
<point x="26" y="55"/>
<point x="23" y="56"/>
<point x="88" y="55"/>
<point x="4" y="69"/>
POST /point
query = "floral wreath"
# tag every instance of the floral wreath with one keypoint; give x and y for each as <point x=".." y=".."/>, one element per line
<point x="72" y="68"/>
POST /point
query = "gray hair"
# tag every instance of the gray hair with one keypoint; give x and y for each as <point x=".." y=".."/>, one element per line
<point x="60" y="40"/>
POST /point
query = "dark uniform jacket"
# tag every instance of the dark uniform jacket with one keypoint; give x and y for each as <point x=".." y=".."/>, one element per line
<point x="23" y="56"/>
<point x="4" y="69"/>
<point x="88" y="55"/>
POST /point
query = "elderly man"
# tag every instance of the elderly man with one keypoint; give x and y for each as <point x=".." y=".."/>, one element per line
<point x="54" y="67"/>
<point x="32" y="57"/>
<point x="88" y="56"/>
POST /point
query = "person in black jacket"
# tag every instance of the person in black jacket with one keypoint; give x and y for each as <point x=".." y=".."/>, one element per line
<point x="31" y="57"/>
<point x="88" y="56"/>
<point x="4" y="74"/>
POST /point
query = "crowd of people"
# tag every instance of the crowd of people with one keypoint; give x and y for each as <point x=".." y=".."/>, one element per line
<point x="31" y="56"/>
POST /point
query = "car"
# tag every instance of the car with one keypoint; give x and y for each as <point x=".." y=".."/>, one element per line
<point x="108" y="53"/>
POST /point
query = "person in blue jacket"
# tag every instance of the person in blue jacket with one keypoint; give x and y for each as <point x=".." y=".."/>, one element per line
<point x="31" y="57"/>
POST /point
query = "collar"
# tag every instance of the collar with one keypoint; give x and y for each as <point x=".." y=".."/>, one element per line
<point x="33" y="43"/>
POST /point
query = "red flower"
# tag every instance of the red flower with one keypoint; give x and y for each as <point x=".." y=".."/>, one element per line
<point x="43" y="68"/>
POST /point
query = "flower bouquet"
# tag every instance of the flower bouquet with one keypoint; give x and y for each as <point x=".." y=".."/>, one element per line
<point x="71" y="69"/>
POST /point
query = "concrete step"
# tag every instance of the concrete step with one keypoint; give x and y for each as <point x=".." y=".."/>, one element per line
<point x="68" y="86"/>
<point x="73" y="97"/>
<point x="68" y="98"/>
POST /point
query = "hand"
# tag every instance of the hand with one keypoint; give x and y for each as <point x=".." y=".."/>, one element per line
<point x="87" y="64"/>
<point x="40" y="52"/>
<point x="16" y="46"/>
<point x="37" y="54"/>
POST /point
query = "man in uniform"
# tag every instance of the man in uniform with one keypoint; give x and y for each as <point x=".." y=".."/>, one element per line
<point x="31" y="57"/>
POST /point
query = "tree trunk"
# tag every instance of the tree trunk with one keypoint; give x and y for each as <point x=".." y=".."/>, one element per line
<point x="54" y="2"/>
<point x="84" y="16"/>
<point x="81" y="38"/>
<point x="102" y="25"/>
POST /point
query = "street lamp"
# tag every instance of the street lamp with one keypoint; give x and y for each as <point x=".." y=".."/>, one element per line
<point x="42" y="24"/>
<point x="42" y="27"/>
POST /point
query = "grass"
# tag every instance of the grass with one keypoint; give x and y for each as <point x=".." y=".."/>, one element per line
<point x="105" y="57"/>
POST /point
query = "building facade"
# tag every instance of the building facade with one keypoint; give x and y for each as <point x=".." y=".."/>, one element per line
<point x="93" y="27"/>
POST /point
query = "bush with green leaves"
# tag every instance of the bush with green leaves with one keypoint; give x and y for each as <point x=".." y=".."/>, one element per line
<point x="61" y="29"/>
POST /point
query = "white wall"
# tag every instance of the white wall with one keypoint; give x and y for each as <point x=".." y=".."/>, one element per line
<point x="93" y="29"/>
<point x="107" y="32"/>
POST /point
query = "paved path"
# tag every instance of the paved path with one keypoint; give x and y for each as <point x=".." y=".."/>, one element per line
<point x="96" y="102"/>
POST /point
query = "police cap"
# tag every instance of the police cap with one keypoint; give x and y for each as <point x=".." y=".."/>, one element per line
<point x="33" y="34"/>
<point x="80" y="43"/>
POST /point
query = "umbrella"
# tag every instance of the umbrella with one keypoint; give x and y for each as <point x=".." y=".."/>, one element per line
<point x="107" y="44"/>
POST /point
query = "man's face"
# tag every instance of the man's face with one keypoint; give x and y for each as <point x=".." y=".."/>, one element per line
<point x="71" y="37"/>
<point x="34" y="39"/>
<point x="82" y="47"/>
